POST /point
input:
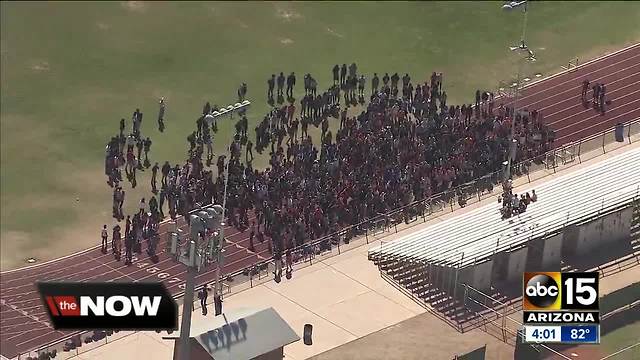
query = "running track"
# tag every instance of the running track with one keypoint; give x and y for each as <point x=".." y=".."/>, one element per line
<point x="24" y="322"/>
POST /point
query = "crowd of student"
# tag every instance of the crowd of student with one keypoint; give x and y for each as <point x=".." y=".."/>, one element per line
<point x="143" y="226"/>
<point x="512" y="204"/>
<point x="401" y="147"/>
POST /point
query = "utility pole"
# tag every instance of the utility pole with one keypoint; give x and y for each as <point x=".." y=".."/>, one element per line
<point x="513" y="143"/>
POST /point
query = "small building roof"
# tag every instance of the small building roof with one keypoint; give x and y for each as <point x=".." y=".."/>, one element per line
<point x="242" y="333"/>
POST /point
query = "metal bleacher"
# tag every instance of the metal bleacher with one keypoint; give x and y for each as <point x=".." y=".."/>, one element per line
<point x="478" y="235"/>
<point x="566" y="200"/>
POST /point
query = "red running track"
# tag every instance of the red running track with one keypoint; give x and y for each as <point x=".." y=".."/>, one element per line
<point x="559" y="97"/>
<point x="24" y="322"/>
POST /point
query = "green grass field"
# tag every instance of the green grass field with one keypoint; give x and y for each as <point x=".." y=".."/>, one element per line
<point x="71" y="70"/>
<point x="620" y="339"/>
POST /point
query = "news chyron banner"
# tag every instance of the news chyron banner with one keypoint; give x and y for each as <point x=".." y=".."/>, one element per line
<point x="109" y="305"/>
<point x="561" y="307"/>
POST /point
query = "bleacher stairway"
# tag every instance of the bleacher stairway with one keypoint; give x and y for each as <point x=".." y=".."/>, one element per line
<point x="461" y="310"/>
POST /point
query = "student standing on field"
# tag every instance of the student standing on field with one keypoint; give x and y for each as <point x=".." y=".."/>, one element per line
<point x="104" y="236"/>
<point x="280" y="83"/>
<point x="242" y="92"/>
<point x="361" y="83"/>
<point x="154" y="178"/>
<point x="202" y="295"/>
<point x="127" y="227"/>
<point x="271" y="84"/>
<point x="116" y="242"/>
<point x="128" y="246"/>
<point x="601" y="96"/>
<point x="120" y="203"/>
<point x="375" y="82"/>
<point x="165" y="172"/>
<point x="585" y="88"/>
<point x="405" y="80"/>
<point x="146" y="143"/>
<point x="116" y="200"/>
<point x="161" y="115"/>
<point x="142" y="206"/>
<point x="291" y="83"/>
<point x="385" y="79"/>
<point x="394" y="81"/>
<point x="353" y="70"/>
<point x="138" y="159"/>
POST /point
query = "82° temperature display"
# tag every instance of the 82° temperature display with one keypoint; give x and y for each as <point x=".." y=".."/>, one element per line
<point x="580" y="334"/>
<point x="567" y="334"/>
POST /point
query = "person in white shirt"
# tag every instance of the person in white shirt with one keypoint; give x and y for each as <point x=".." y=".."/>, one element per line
<point x="161" y="115"/>
<point x="516" y="202"/>
<point x="142" y="206"/>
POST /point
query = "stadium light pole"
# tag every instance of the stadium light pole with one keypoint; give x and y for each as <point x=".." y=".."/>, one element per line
<point x="217" y="287"/>
<point x="194" y="256"/>
<point x="522" y="46"/>
<point x="187" y="258"/>
<point x="217" y="290"/>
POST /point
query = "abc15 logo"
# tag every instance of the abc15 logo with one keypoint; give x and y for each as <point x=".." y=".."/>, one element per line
<point x="560" y="291"/>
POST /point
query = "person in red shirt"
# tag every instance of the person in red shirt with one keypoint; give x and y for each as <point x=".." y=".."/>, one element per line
<point x="291" y="109"/>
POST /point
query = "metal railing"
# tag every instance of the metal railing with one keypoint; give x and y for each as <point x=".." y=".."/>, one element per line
<point x="502" y="319"/>
<point x="354" y="236"/>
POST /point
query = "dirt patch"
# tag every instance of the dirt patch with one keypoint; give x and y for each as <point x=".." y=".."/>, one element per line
<point x="40" y="66"/>
<point x="225" y="17"/>
<point x="288" y="14"/>
<point x="134" y="6"/>
<point x="334" y="33"/>
<point x="242" y="24"/>
<point x="286" y="41"/>
<point x="103" y="26"/>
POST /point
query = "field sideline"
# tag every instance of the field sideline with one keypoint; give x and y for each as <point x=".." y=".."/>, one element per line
<point x="70" y="71"/>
